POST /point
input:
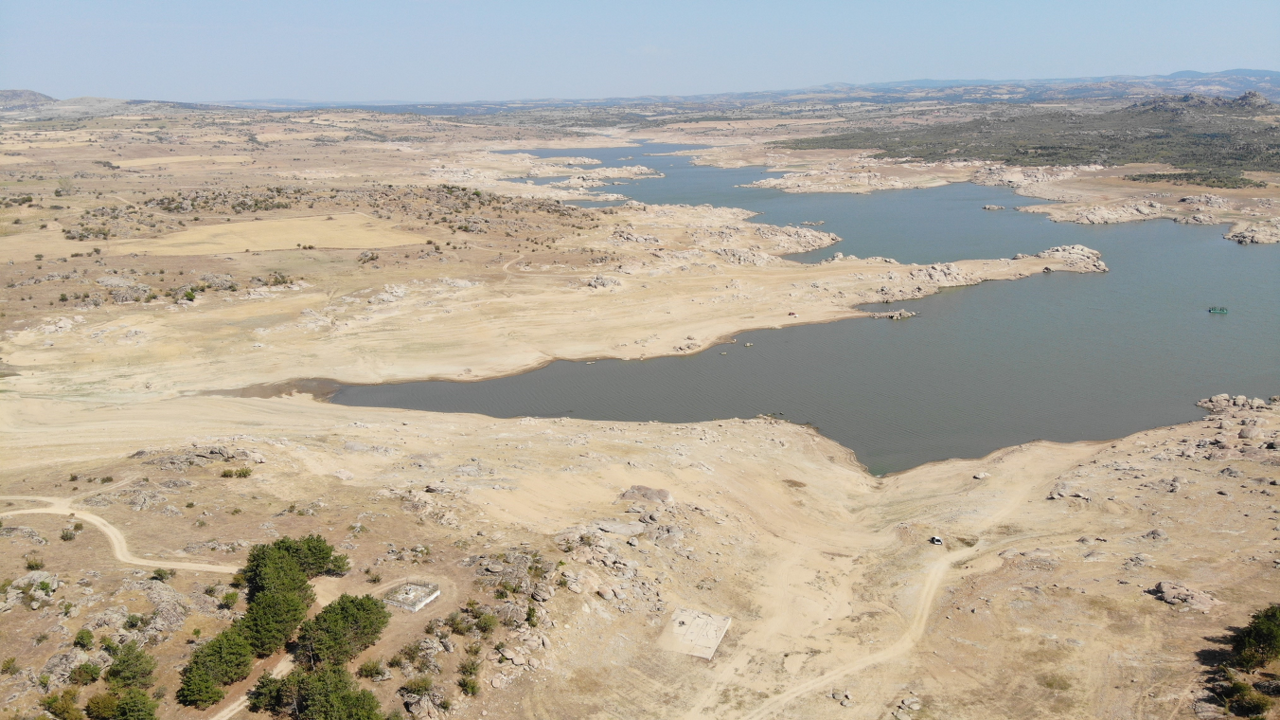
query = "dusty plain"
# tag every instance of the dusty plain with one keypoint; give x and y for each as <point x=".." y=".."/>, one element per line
<point x="176" y="273"/>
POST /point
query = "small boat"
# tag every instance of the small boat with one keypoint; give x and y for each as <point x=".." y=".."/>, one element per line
<point x="1218" y="310"/>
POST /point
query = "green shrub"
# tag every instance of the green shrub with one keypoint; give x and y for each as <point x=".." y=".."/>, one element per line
<point x="68" y="534"/>
<point x="417" y="686"/>
<point x="133" y="704"/>
<point x="370" y="668"/>
<point x="469" y="685"/>
<point x="10" y="666"/>
<point x="101" y="707"/>
<point x="35" y="563"/>
<point x="84" y="639"/>
<point x="486" y="623"/>
<point x="469" y="668"/>
<point x="229" y="600"/>
<point x="63" y="705"/>
<point x="1250" y="703"/>
<point x="163" y="574"/>
<point x="458" y="623"/>
<point x="85" y="673"/>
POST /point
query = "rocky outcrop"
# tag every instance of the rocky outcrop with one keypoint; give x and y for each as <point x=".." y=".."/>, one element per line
<point x="1019" y="177"/>
<point x="1255" y="233"/>
<point x="892" y="315"/>
<point x="123" y="290"/>
<point x="1124" y="212"/>
<point x="942" y="274"/>
<point x="34" y="590"/>
<point x="218" y="281"/>
<point x="1207" y="200"/>
<point x="1224" y="403"/>
<point x="1075" y="257"/>
<point x="739" y="256"/>
<point x="787" y="240"/>
<point x="1180" y="595"/>
<point x="644" y="493"/>
<point x="600" y="282"/>
<point x="199" y="457"/>
<point x="620" y="237"/>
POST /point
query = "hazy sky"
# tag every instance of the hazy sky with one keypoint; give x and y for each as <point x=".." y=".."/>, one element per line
<point x="463" y="50"/>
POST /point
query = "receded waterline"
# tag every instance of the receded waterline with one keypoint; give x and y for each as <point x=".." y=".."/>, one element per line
<point x="1060" y="357"/>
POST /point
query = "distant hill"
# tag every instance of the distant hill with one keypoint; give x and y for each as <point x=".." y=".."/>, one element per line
<point x="12" y="99"/>
<point x="1228" y="83"/>
<point x="1215" y="137"/>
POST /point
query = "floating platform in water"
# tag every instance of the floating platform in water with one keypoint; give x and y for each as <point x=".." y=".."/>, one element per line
<point x="1218" y="310"/>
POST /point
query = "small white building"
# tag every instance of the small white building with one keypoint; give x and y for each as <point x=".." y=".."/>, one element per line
<point x="693" y="632"/>
<point x="413" y="595"/>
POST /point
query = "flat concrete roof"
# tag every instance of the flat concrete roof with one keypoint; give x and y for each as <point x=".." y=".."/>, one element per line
<point x="693" y="632"/>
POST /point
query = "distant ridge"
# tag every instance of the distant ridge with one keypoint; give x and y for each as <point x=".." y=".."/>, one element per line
<point x="1227" y="83"/>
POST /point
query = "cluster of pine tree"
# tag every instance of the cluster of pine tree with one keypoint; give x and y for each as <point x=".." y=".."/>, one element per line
<point x="276" y="580"/>
<point x="320" y="687"/>
<point x="327" y="693"/>
<point x="126" y="697"/>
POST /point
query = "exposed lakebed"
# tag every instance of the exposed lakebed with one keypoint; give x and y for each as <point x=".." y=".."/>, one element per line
<point x="1061" y="357"/>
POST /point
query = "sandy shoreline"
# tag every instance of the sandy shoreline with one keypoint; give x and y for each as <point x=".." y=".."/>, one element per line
<point x="1087" y="195"/>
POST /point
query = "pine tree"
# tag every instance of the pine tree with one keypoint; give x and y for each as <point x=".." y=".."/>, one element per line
<point x="342" y="630"/>
<point x="270" y="621"/>
<point x="198" y="688"/>
<point x="132" y="667"/>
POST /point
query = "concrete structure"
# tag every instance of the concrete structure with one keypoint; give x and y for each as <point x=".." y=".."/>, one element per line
<point x="413" y="595"/>
<point x="693" y="632"/>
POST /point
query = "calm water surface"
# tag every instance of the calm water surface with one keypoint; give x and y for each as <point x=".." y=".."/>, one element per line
<point x="1061" y="357"/>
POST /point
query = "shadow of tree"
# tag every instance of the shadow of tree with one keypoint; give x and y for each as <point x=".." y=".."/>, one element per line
<point x="1212" y="657"/>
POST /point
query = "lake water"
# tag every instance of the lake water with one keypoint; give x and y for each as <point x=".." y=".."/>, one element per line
<point x="1060" y="357"/>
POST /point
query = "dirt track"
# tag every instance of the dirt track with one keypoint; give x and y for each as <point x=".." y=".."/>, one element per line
<point x="119" y="546"/>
